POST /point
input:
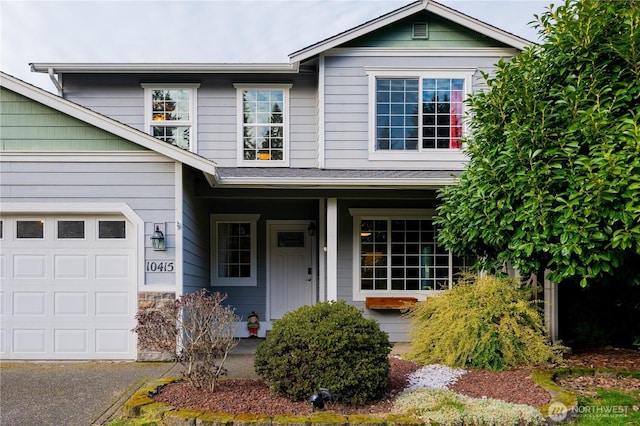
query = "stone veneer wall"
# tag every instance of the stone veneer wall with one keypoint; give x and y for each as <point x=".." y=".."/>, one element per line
<point x="153" y="300"/>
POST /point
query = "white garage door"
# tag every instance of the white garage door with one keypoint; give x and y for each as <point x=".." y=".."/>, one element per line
<point x="68" y="287"/>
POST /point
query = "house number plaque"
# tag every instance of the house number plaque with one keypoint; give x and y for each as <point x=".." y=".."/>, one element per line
<point x="159" y="266"/>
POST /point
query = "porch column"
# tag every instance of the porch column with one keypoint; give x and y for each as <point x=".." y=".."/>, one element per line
<point x="332" y="249"/>
<point x="551" y="308"/>
<point x="322" y="244"/>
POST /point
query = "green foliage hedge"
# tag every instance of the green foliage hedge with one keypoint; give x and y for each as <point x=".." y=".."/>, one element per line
<point x="329" y="345"/>
<point x="483" y="322"/>
<point x="554" y="168"/>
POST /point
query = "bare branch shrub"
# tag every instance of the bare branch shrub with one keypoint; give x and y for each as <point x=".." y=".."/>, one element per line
<point x="198" y="329"/>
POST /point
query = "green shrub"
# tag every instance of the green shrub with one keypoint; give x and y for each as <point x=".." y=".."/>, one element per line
<point x="482" y="322"/>
<point x="329" y="345"/>
<point x="444" y="407"/>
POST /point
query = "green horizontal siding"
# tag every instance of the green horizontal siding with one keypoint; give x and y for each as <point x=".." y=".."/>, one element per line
<point x="442" y="34"/>
<point x="26" y="125"/>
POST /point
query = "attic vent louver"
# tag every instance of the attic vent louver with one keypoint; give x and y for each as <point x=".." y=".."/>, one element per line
<point x="420" y="30"/>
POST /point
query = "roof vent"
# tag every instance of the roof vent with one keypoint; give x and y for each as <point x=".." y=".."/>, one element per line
<point x="420" y="30"/>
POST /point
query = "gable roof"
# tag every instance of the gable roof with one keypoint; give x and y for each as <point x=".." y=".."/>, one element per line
<point x="404" y="12"/>
<point x="107" y="124"/>
<point x="297" y="57"/>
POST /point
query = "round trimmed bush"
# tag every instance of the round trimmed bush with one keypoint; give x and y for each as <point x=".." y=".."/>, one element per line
<point x="327" y="345"/>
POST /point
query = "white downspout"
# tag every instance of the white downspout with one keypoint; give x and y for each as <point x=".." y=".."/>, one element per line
<point x="56" y="82"/>
<point x="321" y="112"/>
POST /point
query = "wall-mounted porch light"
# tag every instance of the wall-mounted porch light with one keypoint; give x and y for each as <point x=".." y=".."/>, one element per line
<point x="312" y="229"/>
<point x="157" y="238"/>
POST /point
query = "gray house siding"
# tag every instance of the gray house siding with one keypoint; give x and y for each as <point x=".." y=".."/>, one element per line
<point x="217" y="118"/>
<point x="146" y="187"/>
<point x="347" y="107"/>
<point x="119" y="96"/>
<point x="195" y="235"/>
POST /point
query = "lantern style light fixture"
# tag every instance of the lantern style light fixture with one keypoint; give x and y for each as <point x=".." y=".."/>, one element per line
<point x="311" y="230"/>
<point x="157" y="238"/>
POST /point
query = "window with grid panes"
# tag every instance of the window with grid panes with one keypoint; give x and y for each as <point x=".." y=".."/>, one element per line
<point x="170" y="114"/>
<point x="233" y="250"/>
<point x="263" y="116"/>
<point x="414" y="114"/>
<point x="400" y="255"/>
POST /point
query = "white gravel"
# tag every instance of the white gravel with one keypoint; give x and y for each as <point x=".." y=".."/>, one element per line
<point x="434" y="376"/>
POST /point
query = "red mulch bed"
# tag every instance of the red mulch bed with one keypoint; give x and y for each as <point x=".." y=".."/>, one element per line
<point x="237" y="396"/>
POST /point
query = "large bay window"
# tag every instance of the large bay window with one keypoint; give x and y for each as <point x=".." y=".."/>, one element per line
<point x="233" y="251"/>
<point x="263" y="124"/>
<point x="170" y="113"/>
<point x="398" y="254"/>
<point x="417" y="111"/>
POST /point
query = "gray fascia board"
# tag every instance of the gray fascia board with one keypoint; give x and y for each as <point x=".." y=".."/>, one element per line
<point x="163" y="68"/>
<point x="332" y="183"/>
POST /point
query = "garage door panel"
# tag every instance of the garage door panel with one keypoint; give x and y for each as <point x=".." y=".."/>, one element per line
<point x="29" y="303"/>
<point x="112" y="341"/>
<point x="71" y="341"/>
<point x="29" y="341"/>
<point x="71" y="303"/>
<point x="112" y="304"/>
<point x="29" y="266"/>
<point x="71" y="266"/>
<point x="112" y="267"/>
<point x="67" y="298"/>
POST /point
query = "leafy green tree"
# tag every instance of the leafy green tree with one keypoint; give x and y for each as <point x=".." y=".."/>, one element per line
<point x="554" y="174"/>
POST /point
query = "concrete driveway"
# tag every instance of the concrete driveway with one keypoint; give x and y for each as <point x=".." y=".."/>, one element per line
<point x="88" y="392"/>
<point x="71" y="393"/>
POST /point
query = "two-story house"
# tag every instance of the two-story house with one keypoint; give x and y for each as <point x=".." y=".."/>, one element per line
<point x="279" y="184"/>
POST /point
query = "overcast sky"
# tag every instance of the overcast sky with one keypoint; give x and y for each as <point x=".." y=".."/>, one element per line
<point x="201" y="30"/>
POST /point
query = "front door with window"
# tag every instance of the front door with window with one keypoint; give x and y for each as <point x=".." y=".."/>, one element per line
<point x="291" y="271"/>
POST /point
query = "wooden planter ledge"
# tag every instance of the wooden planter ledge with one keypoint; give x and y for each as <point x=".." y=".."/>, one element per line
<point x="390" y="303"/>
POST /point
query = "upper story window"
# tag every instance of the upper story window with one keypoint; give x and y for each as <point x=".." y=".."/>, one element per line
<point x="263" y="125"/>
<point x="170" y="113"/>
<point x="399" y="254"/>
<point x="417" y="113"/>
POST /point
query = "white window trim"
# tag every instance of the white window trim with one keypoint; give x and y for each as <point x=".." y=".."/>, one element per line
<point x="30" y="219"/>
<point x="431" y="154"/>
<point x="360" y="295"/>
<point x="251" y="281"/>
<point x="64" y="219"/>
<point x="241" y="162"/>
<point x="193" y="108"/>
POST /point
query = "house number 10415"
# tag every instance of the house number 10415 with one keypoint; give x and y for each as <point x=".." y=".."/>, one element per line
<point x="159" y="265"/>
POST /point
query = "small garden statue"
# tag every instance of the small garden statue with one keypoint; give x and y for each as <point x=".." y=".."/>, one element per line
<point x="253" y="324"/>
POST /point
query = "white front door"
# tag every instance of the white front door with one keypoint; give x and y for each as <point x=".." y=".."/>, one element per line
<point x="291" y="271"/>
